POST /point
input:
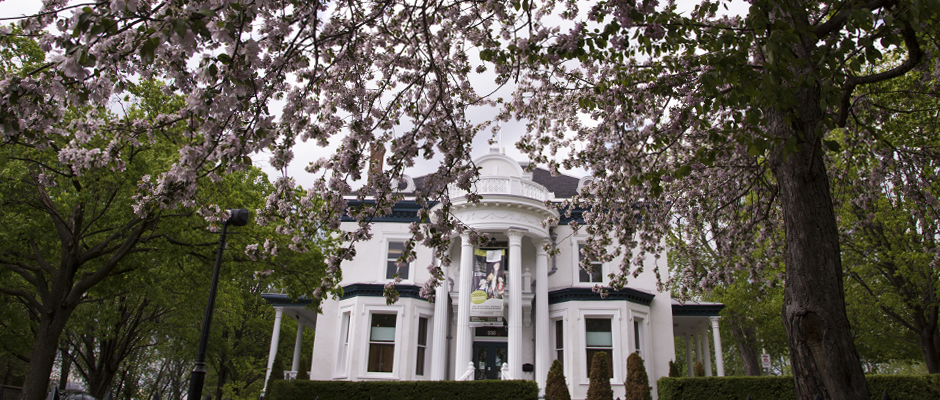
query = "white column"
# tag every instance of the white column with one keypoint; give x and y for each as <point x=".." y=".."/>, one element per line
<point x="298" y="343"/>
<point x="708" y="352"/>
<point x="542" y="327"/>
<point x="515" y="304"/>
<point x="464" y="337"/>
<point x="719" y="357"/>
<point x="275" y="338"/>
<point x="688" y="355"/>
<point x="439" y="338"/>
<point x="698" y="346"/>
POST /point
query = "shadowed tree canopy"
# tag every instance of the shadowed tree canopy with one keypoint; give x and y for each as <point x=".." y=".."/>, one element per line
<point x="684" y="117"/>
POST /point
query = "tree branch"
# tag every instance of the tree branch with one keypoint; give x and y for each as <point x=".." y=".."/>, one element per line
<point x="914" y="56"/>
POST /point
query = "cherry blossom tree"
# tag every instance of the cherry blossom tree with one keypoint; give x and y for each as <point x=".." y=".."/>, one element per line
<point x="681" y="117"/>
<point x="698" y="119"/>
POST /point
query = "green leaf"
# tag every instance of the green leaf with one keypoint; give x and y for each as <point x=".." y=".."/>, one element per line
<point x="833" y="145"/>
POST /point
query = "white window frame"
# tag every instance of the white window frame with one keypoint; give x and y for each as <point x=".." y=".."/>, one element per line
<point x="366" y="319"/>
<point x="344" y="334"/>
<point x="429" y="315"/>
<point x="554" y="317"/>
<point x="386" y="239"/>
<point x="616" y="328"/>
<point x="576" y="266"/>
<point x="643" y="318"/>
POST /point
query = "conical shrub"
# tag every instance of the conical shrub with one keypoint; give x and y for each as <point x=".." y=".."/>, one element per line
<point x="674" y="371"/>
<point x="699" y="369"/>
<point x="638" y="382"/>
<point x="556" y="388"/>
<point x="599" y="388"/>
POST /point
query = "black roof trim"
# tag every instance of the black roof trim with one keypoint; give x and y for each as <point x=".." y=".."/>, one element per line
<point x="587" y="294"/>
<point x="376" y="289"/>
<point x="697" y="310"/>
<point x="278" y="299"/>
<point x="406" y="211"/>
<point x="576" y="215"/>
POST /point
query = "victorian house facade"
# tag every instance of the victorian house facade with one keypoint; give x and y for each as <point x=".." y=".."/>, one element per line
<point x="506" y="310"/>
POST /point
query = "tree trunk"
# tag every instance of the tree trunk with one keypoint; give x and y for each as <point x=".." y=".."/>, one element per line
<point x="66" y="367"/>
<point x="930" y="347"/>
<point x="824" y="359"/>
<point x="745" y="338"/>
<point x="42" y="356"/>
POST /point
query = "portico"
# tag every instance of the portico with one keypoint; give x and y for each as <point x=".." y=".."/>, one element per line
<point x="694" y="322"/>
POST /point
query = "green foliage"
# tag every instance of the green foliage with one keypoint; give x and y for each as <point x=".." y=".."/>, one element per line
<point x="885" y="198"/>
<point x="556" y="387"/>
<point x="403" y="390"/>
<point x="699" y="369"/>
<point x="599" y="386"/>
<point x="19" y="55"/>
<point x="638" y="382"/>
<point x="898" y="387"/>
<point x="674" y="371"/>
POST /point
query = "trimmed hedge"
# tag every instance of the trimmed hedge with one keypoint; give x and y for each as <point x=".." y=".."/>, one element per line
<point x="899" y="387"/>
<point x="395" y="390"/>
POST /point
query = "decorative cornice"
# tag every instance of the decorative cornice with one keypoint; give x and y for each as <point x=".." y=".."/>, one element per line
<point x="587" y="294"/>
<point x="697" y="310"/>
<point x="376" y="290"/>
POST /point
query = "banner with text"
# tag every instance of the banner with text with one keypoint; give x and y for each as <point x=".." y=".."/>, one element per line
<point x="489" y="285"/>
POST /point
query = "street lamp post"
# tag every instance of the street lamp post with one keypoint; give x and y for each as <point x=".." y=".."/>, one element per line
<point x="237" y="217"/>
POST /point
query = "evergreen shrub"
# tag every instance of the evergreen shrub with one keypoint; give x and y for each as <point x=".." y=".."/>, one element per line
<point x="674" y="371"/>
<point x="638" y="382"/>
<point x="898" y="387"/>
<point x="599" y="385"/>
<point x="699" y="369"/>
<point x="556" y="387"/>
<point x="403" y="390"/>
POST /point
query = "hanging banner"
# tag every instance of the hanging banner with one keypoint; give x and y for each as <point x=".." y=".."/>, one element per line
<point x="488" y="283"/>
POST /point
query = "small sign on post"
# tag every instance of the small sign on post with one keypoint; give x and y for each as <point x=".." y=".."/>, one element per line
<point x="765" y="359"/>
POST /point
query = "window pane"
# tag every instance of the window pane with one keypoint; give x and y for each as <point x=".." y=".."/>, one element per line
<point x="403" y="271"/>
<point x="422" y="331"/>
<point x="599" y="339"/>
<point x="381" y="357"/>
<point x="596" y="275"/>
<point x="598" y="333"/>
<point x="383" y="328"/>
<point x="395" y="250"/>
<point x="419" y="365"/>
<point x="636" y="336"/>
<point x="559" y="334"/>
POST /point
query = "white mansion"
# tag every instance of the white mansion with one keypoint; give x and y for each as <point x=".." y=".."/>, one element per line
<point x="506" y="310"/>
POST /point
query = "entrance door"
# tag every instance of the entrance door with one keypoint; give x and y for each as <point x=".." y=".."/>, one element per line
<point x="488" y="358"/>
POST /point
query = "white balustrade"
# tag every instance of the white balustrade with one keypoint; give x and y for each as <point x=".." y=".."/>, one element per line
<point x="504" y="185"/>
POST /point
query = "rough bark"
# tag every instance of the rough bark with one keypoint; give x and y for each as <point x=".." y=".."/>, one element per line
<point x="42" y="356"/>
<point x="929" y="339"/>
<point x="744" y="336"/>
<point x="823" y="355"/>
